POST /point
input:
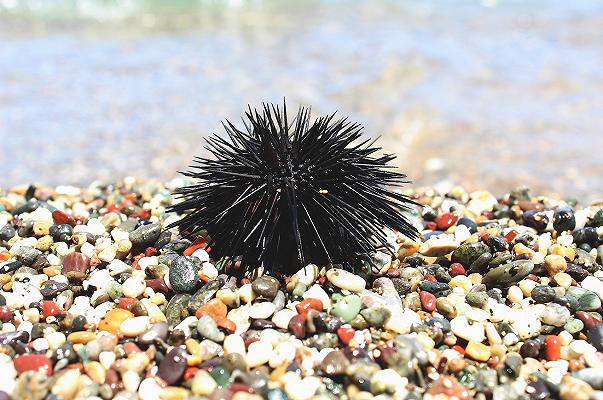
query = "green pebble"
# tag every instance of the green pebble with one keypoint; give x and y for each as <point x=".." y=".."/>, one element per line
<point x="573" y="325"/>
<point x="221" y="376"/>
<point x="336" y="296"/>
<point x="299" y="289"/>
<point x="347" y="308"/>
<point x="376" y="316"/>
<point x="114" y="290"/>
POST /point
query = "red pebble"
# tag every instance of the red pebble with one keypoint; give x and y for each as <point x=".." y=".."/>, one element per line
<point x="430" y="278"/>
<point x="190" y="372"/>
<point x="145" y="213"/>
<point x="458" y="349"/>
<point x="511" y="235"/>
<point x="446" y="220"/>
<point x="59" y="218"/>
<point x="49" y="308"/>
<point x="114" y="207"/>
<point x="157" y="285"/>
<point x="150" y="251"/>
<point x="32" y="362"/>
<point x="126" y="303"/>
<point x="75" y="262"/>
<point x="305" y="305"/>
<point x="240" y="387"/>
<point x="199" y="243"/>
<point x="5" y="314"/>
<point x="345" y="334"/>
<point x="428" y="300"/>
<point x="431" y="226"/>
<point x="457" y="269"/>
<point x="552" y="347"/>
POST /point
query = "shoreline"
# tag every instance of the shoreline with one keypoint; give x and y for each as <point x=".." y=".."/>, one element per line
<point x="499" y="297"/>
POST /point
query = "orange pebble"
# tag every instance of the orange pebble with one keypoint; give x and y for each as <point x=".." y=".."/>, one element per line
<point x="306" y="305"/>
<point x="214" y="308"/>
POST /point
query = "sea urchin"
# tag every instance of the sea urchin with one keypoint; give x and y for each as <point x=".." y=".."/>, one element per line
<point x="281" y="194"/>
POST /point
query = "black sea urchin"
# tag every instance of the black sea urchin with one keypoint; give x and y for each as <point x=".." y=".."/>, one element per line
<point x="280" y="194"/>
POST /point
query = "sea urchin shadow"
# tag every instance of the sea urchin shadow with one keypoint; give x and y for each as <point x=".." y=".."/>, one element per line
<point x="286" y="192"/>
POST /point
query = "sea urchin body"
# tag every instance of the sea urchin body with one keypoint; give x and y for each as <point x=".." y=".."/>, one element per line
<point x="281" y="194"/>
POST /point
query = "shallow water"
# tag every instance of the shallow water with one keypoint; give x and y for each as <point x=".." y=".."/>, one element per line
<point x="484" y="94"/>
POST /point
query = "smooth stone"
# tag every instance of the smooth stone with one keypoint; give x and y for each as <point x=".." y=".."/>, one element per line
<point x="133" y="287"/>
<point x="158" y="331"/>
<point x="208" y="328"/>
<point x="176" y="309"/>
<point x="468" y="253"/>
<point x="334" y="364"/>
<point x="462" y="328"/>
<point x="258" y="353"/>
<point x="543" y="294"/>
<point x="587" y="300"/>
<point x="204" y="295"/>
<point x="317" y="292"/>
<point x="135" y="326"/>
<point x="346" y="280"/>
<point x="573" y="325"/>
<point x="347" y="308"/>
<point x="593" y="284"/>
<point x="261" y="310"/>
<point x="477" y="299"/>
<point x="376" y="316"/>
<point x="478" y="351"/>
<point x="33" y="362"/>
<point x="173" y="365"/>
<point x="592" y="376"/>
<point x="75" y="262"/>
<point x="266" y="286"/>
<point x="595" y="336"/>
<point x="66" y="385"/>
<point x="52" y="288"/>
<point x="508" y="274"/>
<point x="564" y="219"/>
<point x="281" y="318"/>
<point x="307" y="275"/>
<point x="203" y="384"/>
<point x="112" y="321"/>
<point x="145" y="235"/>
<point x="183" y="275"/>
<point x="234" y="344"/>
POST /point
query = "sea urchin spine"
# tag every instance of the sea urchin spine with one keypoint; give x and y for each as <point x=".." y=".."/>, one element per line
<point x="281" y="194"/>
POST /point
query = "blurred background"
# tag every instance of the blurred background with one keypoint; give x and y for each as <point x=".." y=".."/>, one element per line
<point x="488" y="94"/>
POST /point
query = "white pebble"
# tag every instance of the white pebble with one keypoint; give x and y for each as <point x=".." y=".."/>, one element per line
<point x="107" y="358"/>
<point x="246" y="293"/>
<point x="283" y="353"/>
<point x="302" y="389"/>
<point x="234" y="344"/>
<point x="135" y="326"/>
<point x="258" y="353"/>
<point x="514" y="294"/>
<point x="402" y="322"/>
<point x="594" y="285"/>
<point x="149" y="389"/>
<point x="308" y="274"/>
<point x="261" y="310"/>
<point x="317" y="292"/>
<point x="209" y="270"/>
<point x="281" y="318"/>
<point x="461" y="327"/>
<point x="346" y="280"/>
<point x="133" y="287"/>
<point x="201" y="255"/>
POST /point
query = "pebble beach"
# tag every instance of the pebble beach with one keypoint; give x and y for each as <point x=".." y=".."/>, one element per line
<point x="499" y="299"/>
